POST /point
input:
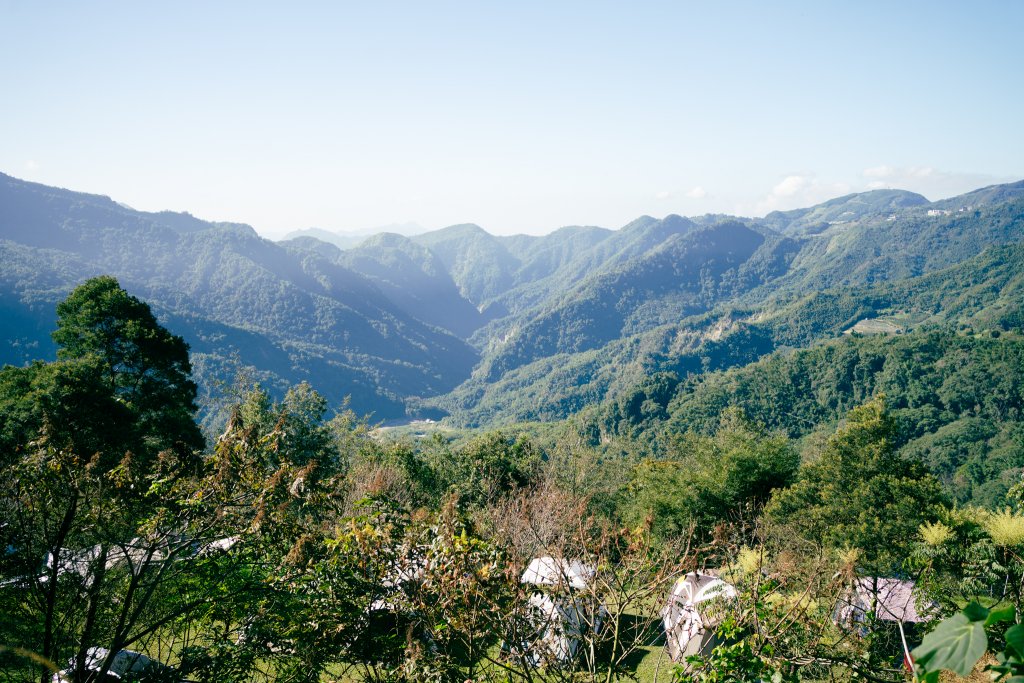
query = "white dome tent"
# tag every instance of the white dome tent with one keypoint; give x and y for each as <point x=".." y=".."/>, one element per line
<point x="697" y="605"/>
<point x="561" y="612"/>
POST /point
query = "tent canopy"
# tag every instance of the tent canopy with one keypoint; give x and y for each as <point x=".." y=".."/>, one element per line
<point x="890" y="599"/>
<point x="695" y="607"/>
<point x="549" y="571"/>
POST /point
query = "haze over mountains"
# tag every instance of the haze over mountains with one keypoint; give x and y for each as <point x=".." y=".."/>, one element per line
<point x="495" y="328"/>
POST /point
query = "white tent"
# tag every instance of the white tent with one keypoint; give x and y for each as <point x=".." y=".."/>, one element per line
<point x="697" y="605"/>
<point x="135" y="554"/>
<point x="549" y="571"/>
<point x="126" y="664"/>
<point x="559" y="614"/>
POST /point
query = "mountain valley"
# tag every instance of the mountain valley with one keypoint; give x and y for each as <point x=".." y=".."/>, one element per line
<point x="497" y="329"/>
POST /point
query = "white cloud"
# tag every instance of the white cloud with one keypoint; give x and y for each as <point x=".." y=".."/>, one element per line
<point x="790" y="186"/>
<point x="885" y="173"/>
<point x="797" y="191"/>
<point x="694" y="193"/>
<point x="878" y="172"/>
<point x="800" y="190"/>
<point x="31" y="165"/>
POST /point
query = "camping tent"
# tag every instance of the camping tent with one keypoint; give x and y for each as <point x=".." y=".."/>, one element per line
<point x="697" y="604"/>
<point x="561" y="613"/>
<point x="126" y="664"/>
<point x="889" y="599"/>
<point x="548" y="571"/>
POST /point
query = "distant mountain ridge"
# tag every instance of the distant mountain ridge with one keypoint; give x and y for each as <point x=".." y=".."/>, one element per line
<point x="291" y="314"/>
<point x="350" y="238"/>
<point x="462" y="321"/>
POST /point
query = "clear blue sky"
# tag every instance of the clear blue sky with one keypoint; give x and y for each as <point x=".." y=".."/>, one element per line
<point x="519" y="116"/>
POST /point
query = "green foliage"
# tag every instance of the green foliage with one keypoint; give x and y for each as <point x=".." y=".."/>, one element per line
<point x="146" y="367"/>
<point x="956" y="644"/>
<point x="861" y="494"/>
<point x="959" y="642"/>
<point x="703" y="481"/>
<point x="733" y="661"/>
<point x="484" y="469"/>
<point x="95" y="444"/>
<point x="957" y="401"/>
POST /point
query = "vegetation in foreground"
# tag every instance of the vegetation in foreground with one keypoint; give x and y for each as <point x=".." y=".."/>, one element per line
<point x="297" y="548"/>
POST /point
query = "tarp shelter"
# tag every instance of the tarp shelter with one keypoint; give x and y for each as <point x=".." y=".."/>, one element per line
<point x="561" y="612"/>
<point x="126" y="665"/>
<point x="889" y="599"/>
<point x="696" y="606"/>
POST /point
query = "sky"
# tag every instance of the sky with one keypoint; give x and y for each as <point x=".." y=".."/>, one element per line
<point x="519" y="116"/>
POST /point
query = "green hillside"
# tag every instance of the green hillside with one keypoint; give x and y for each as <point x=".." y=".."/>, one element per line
<point x="242" y="295"/>
<point x="675" y="394"/>
<point x="500" y="329"/>
<point x="958" y="400"/>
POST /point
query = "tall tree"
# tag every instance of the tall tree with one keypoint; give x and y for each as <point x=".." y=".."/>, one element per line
<point x="705" y="480"/>
<point x="144" y="365"/>
<point x="98" y="448"/>
<point x="860" y="494"/>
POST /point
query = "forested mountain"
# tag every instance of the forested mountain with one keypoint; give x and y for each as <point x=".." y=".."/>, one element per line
<point x="985" y="292"/>
<point x="478" y="262"/>
<point x="415" y="279"/>
<point x="906" y="243"/>
<point x="847" y="209"/>
<point x="814" y="397"/>
<point x="498" y="329"/>
<point x="958" y="400"/>
<point x="686" y="273"/>
<point x="241" y="300"/>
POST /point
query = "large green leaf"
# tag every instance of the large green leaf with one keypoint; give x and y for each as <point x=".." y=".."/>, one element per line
<point x="1015" y="641"/>
<point x="956" y="644"/>
<point x="976" y="612"/>
<point x="1000" y="615"/>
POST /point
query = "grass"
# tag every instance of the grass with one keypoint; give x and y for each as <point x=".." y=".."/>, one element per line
<point x="654" y="665"/>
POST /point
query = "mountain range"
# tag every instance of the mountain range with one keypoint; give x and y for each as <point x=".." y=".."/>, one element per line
<point x="492" y="329"/>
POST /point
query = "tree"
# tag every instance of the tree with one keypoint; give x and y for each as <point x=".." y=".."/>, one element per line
<point x="93" y="444"/>
<point x="709" y="480"/>
<point x="486" y="468"/>
<point x="860" y="494"/>
<point x="145" y="366"/>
